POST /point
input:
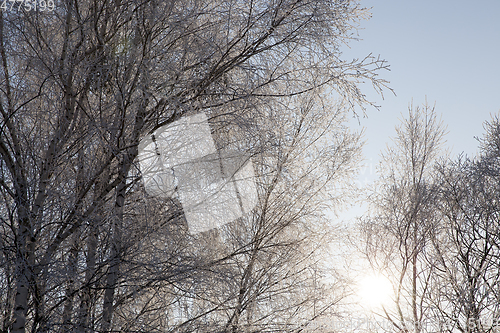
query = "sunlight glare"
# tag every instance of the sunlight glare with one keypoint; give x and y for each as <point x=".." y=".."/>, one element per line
<point x="375" y="291"/>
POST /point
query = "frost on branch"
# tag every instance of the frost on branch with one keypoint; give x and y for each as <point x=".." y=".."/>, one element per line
<point x="214" y="187"/>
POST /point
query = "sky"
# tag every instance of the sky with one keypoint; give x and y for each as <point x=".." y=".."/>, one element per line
<point x="444" y="51"/>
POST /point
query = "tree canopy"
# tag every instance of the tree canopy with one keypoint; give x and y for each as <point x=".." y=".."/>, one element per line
<point x="84" y="248"/>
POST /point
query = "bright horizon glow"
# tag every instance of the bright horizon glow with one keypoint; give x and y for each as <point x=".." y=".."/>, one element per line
<point x="375" y="291"/>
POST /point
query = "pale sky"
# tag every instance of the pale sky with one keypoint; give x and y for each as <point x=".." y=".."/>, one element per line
<point x="447" y="51"/>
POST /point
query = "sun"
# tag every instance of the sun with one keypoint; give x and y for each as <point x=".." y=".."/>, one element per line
<point x="375" y="291"/>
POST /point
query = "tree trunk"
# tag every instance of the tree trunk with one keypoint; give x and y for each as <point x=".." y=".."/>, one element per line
<point x="70" y="288"/>
<point x="114" y="265"/>
<point x="23" y="266"/>
<point x="116" y="247"/>
<point x="84" y="312"/>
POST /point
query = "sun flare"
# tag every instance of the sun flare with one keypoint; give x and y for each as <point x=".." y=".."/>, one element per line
<point x="375" y="291"/>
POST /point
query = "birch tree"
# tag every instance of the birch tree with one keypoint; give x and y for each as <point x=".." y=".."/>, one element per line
<point x="397" y="233"/>
<point x="277" y="266"/>
<point x="82" y="83"/>
<point x="465" y="289"/>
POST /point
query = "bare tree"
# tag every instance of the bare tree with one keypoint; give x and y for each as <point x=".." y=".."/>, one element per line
<point x="277" y="283"/>
<point x="82" y="84"/>
<point x="398" y="227"/>
<point x="465" y="293"/>
<point x="265" y="271"/>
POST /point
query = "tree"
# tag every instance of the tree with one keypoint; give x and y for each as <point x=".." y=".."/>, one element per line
<point x="270" y="272"/>
<point x="82" y="84"/>
<point x="465" y="287"/>
<point x="402" y="217"/>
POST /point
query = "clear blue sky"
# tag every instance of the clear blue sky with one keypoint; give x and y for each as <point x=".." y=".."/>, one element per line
<point x="445" y="50"/>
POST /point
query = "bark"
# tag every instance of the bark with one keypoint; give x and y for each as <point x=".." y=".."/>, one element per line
<point x="71" y="284"/>
<point x="112" y="277"/>
<point x="24" y="263"/>
<point x="114" y="265"/>
<point x="84" y="312"/>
